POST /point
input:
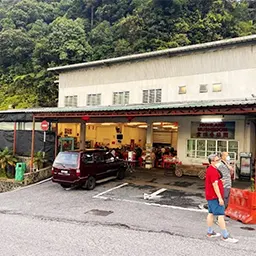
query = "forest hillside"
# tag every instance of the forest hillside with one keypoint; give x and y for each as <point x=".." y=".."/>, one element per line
<point x="35" y="35"/>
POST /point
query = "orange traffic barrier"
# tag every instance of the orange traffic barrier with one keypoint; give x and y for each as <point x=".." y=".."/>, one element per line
<point x="242" y="206"/>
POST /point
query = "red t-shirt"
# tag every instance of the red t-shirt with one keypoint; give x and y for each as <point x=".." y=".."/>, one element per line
<point x="212" y="175"/>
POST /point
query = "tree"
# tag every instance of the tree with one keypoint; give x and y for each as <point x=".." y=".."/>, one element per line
<point x="67" y="43"/>
<point x="16" y="47"/>
<point x="101" y="39"/>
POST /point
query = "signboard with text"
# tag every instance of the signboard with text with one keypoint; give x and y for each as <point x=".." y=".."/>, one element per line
<point x="223" y="130"/>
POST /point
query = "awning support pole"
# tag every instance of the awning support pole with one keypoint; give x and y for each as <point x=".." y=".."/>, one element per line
<point x="56" y="140"/>
<point x="32" y="145"/>
<point x="14" y="137"/>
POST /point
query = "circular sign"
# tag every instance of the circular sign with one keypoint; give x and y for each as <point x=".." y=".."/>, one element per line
<point x="44" y="125"/>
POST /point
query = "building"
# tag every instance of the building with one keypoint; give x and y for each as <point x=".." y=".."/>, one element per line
<point x="221" y="73"/>
<point x="199" y="99"/>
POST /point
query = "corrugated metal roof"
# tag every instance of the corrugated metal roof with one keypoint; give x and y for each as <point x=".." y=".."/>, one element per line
<point x="174" y="105"/>
<point x="168" y="52"/>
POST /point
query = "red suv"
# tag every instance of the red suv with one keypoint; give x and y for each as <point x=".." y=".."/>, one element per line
<point x="84" y="168"/>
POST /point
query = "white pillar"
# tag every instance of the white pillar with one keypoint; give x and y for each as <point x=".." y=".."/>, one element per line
<point x="82" y="135"/>
<point x="249" y="137"/>
<point x="149" y="144"/>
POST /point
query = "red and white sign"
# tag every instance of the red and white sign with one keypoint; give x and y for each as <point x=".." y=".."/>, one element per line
<point x="44" y="125"/>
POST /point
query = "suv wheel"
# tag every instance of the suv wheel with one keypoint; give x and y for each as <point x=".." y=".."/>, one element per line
<point x="90" y="183"/>
<point x="121" y="174"/>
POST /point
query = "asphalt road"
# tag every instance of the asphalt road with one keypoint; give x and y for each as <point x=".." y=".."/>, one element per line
<point x="47" y="220"/>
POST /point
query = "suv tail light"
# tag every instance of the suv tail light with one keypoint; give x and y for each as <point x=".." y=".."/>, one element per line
<point x="78" y="172"/>
<point x="52" y="170"/>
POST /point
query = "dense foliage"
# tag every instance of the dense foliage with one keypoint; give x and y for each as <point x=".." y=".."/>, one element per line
<point x="37" y="34"/>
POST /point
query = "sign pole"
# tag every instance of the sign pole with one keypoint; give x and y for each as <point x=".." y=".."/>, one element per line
<point x="44" y="144"/>
<point x="44" y="127"/>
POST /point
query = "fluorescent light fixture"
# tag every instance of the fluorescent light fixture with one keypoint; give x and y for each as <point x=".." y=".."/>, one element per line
<point x="142" y="126"/>
<point x="108" y="124"/>
<point x="211" y="120"/>
<point x="169" y="126"/>
<point x="134" y="124"/>
<point x="157" y="123"/>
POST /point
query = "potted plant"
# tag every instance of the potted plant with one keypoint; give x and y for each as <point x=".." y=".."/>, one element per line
<point x="39" y="160"/>
<point x="8" y="162"/>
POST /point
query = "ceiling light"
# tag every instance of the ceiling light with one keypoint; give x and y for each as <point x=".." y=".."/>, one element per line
<point x="142" y="126"/>
<point x="168" y="126"/>
<point x="108" y="124"/>
<point x="134" y="124"/>
<point x="211" y="120"/>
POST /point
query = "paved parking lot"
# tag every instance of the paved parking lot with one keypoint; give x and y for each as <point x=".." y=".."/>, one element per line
<point x="156" y="196"/>
<point x="117" y="218"/>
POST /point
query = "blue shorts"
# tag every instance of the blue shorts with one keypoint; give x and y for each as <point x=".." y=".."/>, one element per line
<point x="215" y="208"/>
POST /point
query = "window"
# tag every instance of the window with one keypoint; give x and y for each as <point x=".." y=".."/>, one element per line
<point x="67" y="159"/>
<point x="203" y="88"/>
<point x="202" y="148"/>
<point x="120" y="98"/>
<point x="109" y="158"/>
<point x="93" y="99"/>
<point x="152" y="96"/>
<point x="70" y="101"/>
<point x="183" y="89"/>
<point x="98" y="157"/>
<point x="87" y="158"/>
<point x="216" y="87"/>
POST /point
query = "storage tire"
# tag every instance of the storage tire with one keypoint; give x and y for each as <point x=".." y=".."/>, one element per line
<point x="178" y="172"/>
<point x="201" y="175"/>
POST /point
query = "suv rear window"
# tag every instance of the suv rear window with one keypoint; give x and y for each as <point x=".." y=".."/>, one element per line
<point x="67" y="159"/>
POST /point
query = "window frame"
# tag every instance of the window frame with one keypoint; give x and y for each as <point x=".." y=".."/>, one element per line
<point x="218" y="89"/>
<point x="93" y="99"/>
<point x="121" y="98"/>
<point x="203" y="88"/>
<point x="150" y="96"/>
<point x="181" y="89"/>
<point x="70" y="101"/>
<point x="192" y="150"/>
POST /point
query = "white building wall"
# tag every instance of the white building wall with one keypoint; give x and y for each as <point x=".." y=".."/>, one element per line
<point x="234" y="68"/>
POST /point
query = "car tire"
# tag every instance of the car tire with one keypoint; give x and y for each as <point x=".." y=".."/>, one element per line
<point x="90" y="183"/>
<point x="121" y="174"/>
<point x="65" y="185"/>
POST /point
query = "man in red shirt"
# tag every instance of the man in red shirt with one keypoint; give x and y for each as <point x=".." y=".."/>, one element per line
<point x="214" y="194"/>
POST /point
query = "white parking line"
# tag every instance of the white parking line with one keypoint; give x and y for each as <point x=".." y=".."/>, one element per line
<point x="105" y="192"/>
<point x="153" y="204"/>
<point x="155" y="194"/>
<point x="159" y="191"/>
<point x="29" y="186"/>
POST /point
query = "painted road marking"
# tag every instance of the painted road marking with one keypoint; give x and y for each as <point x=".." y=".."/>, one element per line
<point x="155" y="194"/>
<point x="153" y="204"/>
<point x="109" y="190"/>
<point x="28" y="186"/>
<point x="100" y="196"/>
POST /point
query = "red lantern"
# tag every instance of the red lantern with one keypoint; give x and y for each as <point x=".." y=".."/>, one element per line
<point x="130" y="118"/>
<point x="86" y="118"/>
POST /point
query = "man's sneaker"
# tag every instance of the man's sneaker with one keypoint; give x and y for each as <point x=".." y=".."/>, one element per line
<point x="213" y="234"/>
<point x="230" y="239"/>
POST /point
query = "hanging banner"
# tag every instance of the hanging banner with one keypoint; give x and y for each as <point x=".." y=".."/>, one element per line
<point x="223" y="130"/>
